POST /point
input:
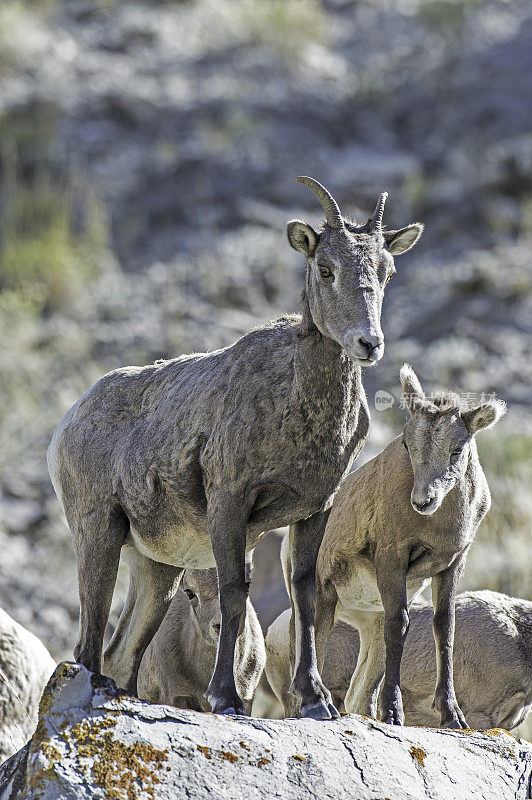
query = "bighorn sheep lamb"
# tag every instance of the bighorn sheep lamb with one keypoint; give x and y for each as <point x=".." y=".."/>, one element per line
<point x="492" y="661"/>
<point x="25" y="666"/>
<point x="407" y="516"/>
<point x="178" y="663"/>
<point x="189" y="461"/>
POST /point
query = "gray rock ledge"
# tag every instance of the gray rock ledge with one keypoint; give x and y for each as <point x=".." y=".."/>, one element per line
<point x="93" y="742"/>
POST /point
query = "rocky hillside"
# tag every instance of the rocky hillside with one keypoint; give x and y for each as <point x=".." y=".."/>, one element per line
<point x="149" y="154"/>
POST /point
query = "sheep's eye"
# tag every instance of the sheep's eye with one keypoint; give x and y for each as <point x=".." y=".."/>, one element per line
<point x="456" y="455"/>
<point x="189" y="594"/>
<point x="390" y="276"/>
<point x="325" y="272"/>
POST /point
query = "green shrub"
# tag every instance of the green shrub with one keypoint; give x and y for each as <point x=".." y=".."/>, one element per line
<point x="46" y="254"/>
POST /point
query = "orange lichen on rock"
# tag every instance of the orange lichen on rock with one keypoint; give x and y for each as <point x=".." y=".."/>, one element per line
<point x="226" y="755"/>
<point x="205" y="750"/>
<point x="121" y="769"/>
<point x="418" y="754"/>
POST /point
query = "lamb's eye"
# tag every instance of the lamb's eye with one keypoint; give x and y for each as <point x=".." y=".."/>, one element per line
<point x="455" y="455"/>
<point x="325" y="272"/>
<point x="189" y="594"/>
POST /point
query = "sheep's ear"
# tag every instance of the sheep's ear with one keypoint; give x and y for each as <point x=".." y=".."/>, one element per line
<point x="412" y="391"/>
<point x="302" y="237"/>
<point x="400" y="241"/>
<point x="484" y="416"/>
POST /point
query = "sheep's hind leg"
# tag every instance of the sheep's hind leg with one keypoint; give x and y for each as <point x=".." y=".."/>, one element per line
<point x="361" y="697"/>
<point x="151" y="587"/>
<point x="443" y="599"/>
<point x="98" y="539"/>
<point x="227" y="522"/>
<point x="311" y="696"/>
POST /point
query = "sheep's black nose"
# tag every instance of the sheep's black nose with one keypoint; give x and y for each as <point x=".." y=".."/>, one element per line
<point x="367" y="345"/>
<point x="422" y="506"/>
<point x="363" y="344"/>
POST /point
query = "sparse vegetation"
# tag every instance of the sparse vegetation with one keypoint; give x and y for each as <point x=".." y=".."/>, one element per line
<point x="46" y="254"/>
<point x="501" y="557"/>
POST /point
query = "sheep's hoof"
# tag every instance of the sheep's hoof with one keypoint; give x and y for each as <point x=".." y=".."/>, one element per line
<point x="320" y="711"/>
<point x="456" y="721"/>
<point x="227" y="707"/>
<point x="394" y="715"/>
<point x="393" y="719"/>
<point x="231" y="712"/>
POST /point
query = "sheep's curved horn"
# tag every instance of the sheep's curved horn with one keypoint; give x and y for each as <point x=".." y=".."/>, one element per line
<point x="375" y="223"/>
<point x="328" y="203"/>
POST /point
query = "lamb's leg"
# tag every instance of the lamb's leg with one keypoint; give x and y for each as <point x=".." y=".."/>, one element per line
<point x="227" y="518"/>
<point x="391" y="580"/>
<point x="312" y="697"/>
<point x="151" y="588"/>
<point x="98" y="539"/>
<point x="443" y="599"/>
<point x="361" y="697"/>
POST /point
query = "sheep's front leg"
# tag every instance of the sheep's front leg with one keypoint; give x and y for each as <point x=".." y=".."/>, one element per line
<point x="391" y="580"/>
<point x="312" y="698"/>
<point x="443" y="599"/>
<point x="226" y="519"/>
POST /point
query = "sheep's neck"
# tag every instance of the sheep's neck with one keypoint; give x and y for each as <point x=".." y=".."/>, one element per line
<point x="327" y="382"/>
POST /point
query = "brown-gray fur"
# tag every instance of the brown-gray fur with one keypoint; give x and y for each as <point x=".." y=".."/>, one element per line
<point x="492" y="661"/>
<point x="406" y="517"/>
<point x="189" y="461"/>
<point x="178" y="663"/>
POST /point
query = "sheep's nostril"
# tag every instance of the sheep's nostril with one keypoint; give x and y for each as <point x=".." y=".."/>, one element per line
<point x="370" y="345"/>
<point x="366" y="345"/>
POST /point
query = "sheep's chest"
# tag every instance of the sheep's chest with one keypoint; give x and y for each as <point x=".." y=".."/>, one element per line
<point x="360" y="591"/>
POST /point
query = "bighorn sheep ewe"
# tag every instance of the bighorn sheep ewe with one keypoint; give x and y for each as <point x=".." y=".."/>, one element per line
<point x="25" y="666"/>
<point x="407" y="516"/>
<point x="178" y="663"/>
<point x="189" y="461"/>
<point x="492" y="661"/>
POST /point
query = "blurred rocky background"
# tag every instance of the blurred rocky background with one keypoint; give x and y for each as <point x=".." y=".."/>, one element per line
<point x="148" y="156"/>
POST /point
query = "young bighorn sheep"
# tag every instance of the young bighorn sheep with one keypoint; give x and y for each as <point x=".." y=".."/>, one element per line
<point x="25" y="667"/>
<point x="189" y="461"/>
<point x="178" y="663"/>
<point x="407" y="516"/>
<point x="492" y="661"/>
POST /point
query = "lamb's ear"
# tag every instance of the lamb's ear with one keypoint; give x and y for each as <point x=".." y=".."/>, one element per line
<point x="302" y="237"/>
<point x="484" y="416"/>
<point x="400" y="241"/>
<point x="412" y="391"/>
